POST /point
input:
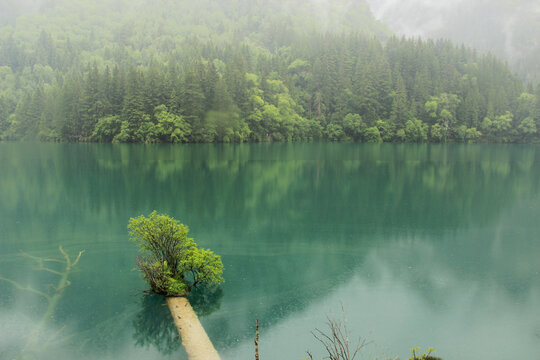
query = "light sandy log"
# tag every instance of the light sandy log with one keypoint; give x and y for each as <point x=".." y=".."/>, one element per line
<point x="194" y="339"/>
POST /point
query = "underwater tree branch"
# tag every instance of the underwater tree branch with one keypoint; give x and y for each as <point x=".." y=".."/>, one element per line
<point x="26" y="288"/>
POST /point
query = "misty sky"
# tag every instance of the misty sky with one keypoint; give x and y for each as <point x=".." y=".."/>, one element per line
<point x="11" y="8"/>
<point x="508" y="28"/>
<point x="428" y="17"/>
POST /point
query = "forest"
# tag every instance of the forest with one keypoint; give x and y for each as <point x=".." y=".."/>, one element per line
<point x="231" y="71"/>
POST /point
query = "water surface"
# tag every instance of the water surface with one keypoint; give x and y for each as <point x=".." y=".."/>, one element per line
<point x="423" y="245"/>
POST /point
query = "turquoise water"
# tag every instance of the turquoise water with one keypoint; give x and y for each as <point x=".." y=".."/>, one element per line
<point x="422" y="245"/>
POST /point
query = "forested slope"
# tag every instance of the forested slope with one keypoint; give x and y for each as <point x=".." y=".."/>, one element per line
<point x="508" y="29"/>
<point x="236" y="71"/>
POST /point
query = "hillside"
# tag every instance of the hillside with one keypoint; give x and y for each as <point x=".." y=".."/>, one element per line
<point x="240" y="70"/>
<point x="508" y="29"/>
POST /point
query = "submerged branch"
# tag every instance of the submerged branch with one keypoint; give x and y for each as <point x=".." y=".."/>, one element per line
<point x="25" y="288"/>
<point x="78" y="258"/>
<point x="38" y="259"/>
<point x="34" y="343"/>
<point x="49" y="271"/>
<point x="66" y="256"/>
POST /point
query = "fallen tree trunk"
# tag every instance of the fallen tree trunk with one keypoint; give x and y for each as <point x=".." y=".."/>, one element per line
<point x="194" y="339"/>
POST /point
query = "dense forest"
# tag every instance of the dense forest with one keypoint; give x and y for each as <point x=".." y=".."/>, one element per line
<point x="242" y="70"/>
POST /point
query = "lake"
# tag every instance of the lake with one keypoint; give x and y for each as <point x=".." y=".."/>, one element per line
<point x="421" y="245"/>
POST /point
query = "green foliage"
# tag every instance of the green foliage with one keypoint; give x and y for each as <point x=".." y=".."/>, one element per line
<point x="461" y="133"/>
<point x="502" y="123"/>
<point x="334" y="132"/>
<point x="10" y="128"/>
<point x="353" y="126"/>
<point x="226" y="127"/>
<point x="372" y="135"/>
<point x="472" y="134"/>
<point x="171" y="262"/>
<point x="416" y="131"/>
<point x="203" y="265"/>
<point x="159" y="276"/>
<point x="142" y="76"/>
<point x="442" y="111"/>
<point x="106" y="129"/>
<point x="500" y="127"/>
<point x="125" y="134"/>
<point x="386" y="130"/>
<point x="438" y="133"/>
<point x="431" y="108"/>
<point x="147" y="133"/>
<point x="400" y="135"/>
<point x="171" y="128"/>
<point x="527" y="128"/>
<point x="299" y="66"/>
<point x="424" y="356"/>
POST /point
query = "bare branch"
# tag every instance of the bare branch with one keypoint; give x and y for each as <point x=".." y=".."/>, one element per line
<point x="38" y="259"/>
<point x="27" y="288"/>
<point x="256" y="340"/>
<point x="42" y="268"/>
<point x="68" y="261"/>
<point x="78" y="258"/>
<point x="336" y="340"/>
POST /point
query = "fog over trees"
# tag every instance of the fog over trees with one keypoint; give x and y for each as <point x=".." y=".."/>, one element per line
<point x="13" y="8"/>
<point x="509" y="29"/>
<point x="247" y="70"/>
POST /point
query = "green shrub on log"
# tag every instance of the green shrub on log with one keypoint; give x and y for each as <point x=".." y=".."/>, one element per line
<point x="170" y="261"/>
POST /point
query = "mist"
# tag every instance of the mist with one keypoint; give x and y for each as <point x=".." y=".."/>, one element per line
<point x="11" y="9"/>
<point x="508" y="29"/>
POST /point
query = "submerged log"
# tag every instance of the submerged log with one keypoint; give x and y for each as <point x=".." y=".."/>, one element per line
<point x="194" y="339"/>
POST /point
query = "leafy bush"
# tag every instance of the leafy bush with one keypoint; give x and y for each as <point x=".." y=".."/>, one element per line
<point x="171" y="262"/>
<point x="106" y="129"/>
<point x="372" y="135"/>
<point x="424" y="356"/>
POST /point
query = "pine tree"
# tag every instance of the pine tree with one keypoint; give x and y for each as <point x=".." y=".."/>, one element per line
<point x="4" y="113"/>
<point x="536" y="115"/>
<point x="29" y="115"/>
<point x="208" y="83"/>
<point x="153" y="90"/>
<point x="235" y="78"/>
<point x="133" y="109"/>
<point x="68" y="121"/>
<point x="192" y="104"/>
<point x="115" y="94"/>
<point x="12" y="55"/>
<point x="400" y="109"/>
<point x="92" y="102"/>
<point x="105" y="86"/>
<point x="45" y="50"/>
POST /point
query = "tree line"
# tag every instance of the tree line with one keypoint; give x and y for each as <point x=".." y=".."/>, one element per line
<point x="265" y="85"/>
